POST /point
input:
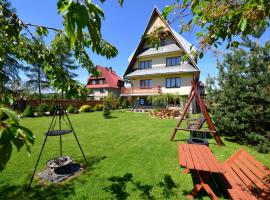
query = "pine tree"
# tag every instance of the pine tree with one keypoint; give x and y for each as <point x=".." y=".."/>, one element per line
<point x="241" y="101"/>
<point x="64" y="60"/>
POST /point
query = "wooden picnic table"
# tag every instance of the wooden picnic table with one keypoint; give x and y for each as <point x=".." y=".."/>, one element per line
<point x="200" y="160"/>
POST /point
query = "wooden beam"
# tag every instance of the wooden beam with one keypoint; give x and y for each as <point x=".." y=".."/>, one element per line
<point x="191" y="96"/>
<point x="196" y="93"/>
<point x="198" y="130"/>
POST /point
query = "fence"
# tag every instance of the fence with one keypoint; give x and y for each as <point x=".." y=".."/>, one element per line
<point x="64" y="103"/>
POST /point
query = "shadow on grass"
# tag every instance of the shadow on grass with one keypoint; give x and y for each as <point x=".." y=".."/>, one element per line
<point x="167" y="186"/>
<point x="92" y="161"/>
<point x="110" y="117"/>
<point x="234" y="140"/>
<point x="41" y="191"/>
<point x="145" y="190"/>
<point x="213" y="181"/>
<point x="118" y="187"/>
<point x="51" y="192"/>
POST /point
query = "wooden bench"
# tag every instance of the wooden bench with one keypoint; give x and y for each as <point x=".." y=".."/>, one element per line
<point x="195" y="123"/>
<point x="246" y="178"/>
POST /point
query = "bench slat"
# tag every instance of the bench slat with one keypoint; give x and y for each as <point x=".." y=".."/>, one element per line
<point x="248" y="177"/>
<point x="240" y="195"/>
<point x="234" y="179"/>
<point x="249" y="174"/>
<point x="195" y="158"/>
<point x="188" y="156"/>
<point x="257" y="163"/>
<point x="212" y="165"/>
<point x="243" y="177"/>
<point x="252" y="167"/>
<point x="182" y="158"/>
<point x="198" y="153"/>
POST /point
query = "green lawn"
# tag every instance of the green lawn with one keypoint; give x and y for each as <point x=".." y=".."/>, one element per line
<point x="130" y="157"/>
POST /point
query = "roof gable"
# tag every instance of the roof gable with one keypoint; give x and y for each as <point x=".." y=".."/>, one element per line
<point x="157" y="20"/>
<point x="110" y="76"/>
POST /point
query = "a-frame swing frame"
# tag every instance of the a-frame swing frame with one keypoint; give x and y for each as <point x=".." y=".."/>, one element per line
<point x="195" y="93"/>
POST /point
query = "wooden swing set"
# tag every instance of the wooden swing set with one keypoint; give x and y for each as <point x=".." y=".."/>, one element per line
<point x="197" y="125"/>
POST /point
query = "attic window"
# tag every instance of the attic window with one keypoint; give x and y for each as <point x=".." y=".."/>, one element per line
<point x="162" y="42"/>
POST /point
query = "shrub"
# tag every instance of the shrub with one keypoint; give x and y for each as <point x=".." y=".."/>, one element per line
<point x="86" y="108"/>
<point x="28" y="112"/>
<point x="124" y="103"/>
<point x="98" y="107"/>
<point x="70" y="109"/>
<point x="42" y="108"/>
<point x="262" y="147"/>
<point x="254" y="139"/>
<point x="106" y="109"/>
<point x="52" y="109"/>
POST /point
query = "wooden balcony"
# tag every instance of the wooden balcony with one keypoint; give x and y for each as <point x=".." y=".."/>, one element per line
<point x="133" y="91"/>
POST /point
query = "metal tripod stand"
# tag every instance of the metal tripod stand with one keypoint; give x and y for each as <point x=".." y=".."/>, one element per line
<point x="59" y="116"/>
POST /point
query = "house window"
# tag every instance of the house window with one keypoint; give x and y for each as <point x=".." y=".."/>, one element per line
<point x="94" y="82"/>
<point x="142" y="101"/>
<point x="101" y="81"/>
<point x="162" y="42"/>
<point x="145" y="64"/>
<point x="173" y="82"/>
<point x="172" y="61"/>
<point x="146" y="83"/>
<point x="102" y="91"/>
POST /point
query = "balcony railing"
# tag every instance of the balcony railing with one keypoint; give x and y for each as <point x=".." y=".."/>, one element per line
<point x="136" y="90"/>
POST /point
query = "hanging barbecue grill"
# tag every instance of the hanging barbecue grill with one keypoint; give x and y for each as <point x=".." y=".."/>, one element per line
<point x="59" y="168"/>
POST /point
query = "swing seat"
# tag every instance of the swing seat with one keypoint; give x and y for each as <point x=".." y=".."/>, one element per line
<point x="195" y="123"/>
<point x="195" y="140"/>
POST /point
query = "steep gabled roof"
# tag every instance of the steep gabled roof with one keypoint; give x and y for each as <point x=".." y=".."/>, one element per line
<point x="110" y="76"/>
<point x="183" y="44"/>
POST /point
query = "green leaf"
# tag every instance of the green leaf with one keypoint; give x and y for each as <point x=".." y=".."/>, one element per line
<point x="121" y="2"/>
<point x="166" y="11"/>
<point x="235" y="44"/>
<point x="199" y="34"/>
<point x="63" y="5"/>
<point x="243" y="25"/>
<point x="11" y="114"/>
<point x="69" y="24"/>
<point x="42" y="31"/>
<point x="201" y="54"/>
<point x="5" y="150"/>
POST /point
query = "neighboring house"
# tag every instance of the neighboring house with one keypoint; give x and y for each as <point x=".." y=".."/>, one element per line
<point x="107" y="82"/>
<point x="154" y="71"/>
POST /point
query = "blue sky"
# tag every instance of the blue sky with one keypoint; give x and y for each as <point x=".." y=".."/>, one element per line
<point x="123" y="27"/>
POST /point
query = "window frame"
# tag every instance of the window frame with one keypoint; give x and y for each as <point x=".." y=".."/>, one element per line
<point x="146" y="84"/>
<point x="142" y="64"/>
<point x="173" y="82"/>
<point x="173" y="61"/>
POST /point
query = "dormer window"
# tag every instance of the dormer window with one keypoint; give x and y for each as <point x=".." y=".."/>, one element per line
<point x="162" y="42"/>
<point x="94" y="82"/>
<point x="172" y="61"/>
<point x="147" y="64"/>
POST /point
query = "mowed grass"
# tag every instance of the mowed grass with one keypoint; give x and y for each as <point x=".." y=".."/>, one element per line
<point x="130" y="157"/>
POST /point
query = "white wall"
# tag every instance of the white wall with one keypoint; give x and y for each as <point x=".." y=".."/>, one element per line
<point x="185" y="83"/>
<point x="157" y="60"/>
<point x="98" y="95"/>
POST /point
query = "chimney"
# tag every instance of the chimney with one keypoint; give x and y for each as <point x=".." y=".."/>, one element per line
<point x="110" y="69"/>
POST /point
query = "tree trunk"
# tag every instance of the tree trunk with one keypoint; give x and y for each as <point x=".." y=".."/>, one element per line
<point x="39" y="84"/>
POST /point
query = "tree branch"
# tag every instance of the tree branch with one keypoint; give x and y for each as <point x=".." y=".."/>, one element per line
<point x="50" y="28"/>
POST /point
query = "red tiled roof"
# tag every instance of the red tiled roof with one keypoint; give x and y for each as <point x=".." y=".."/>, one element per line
<point x="111" y="78"/>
